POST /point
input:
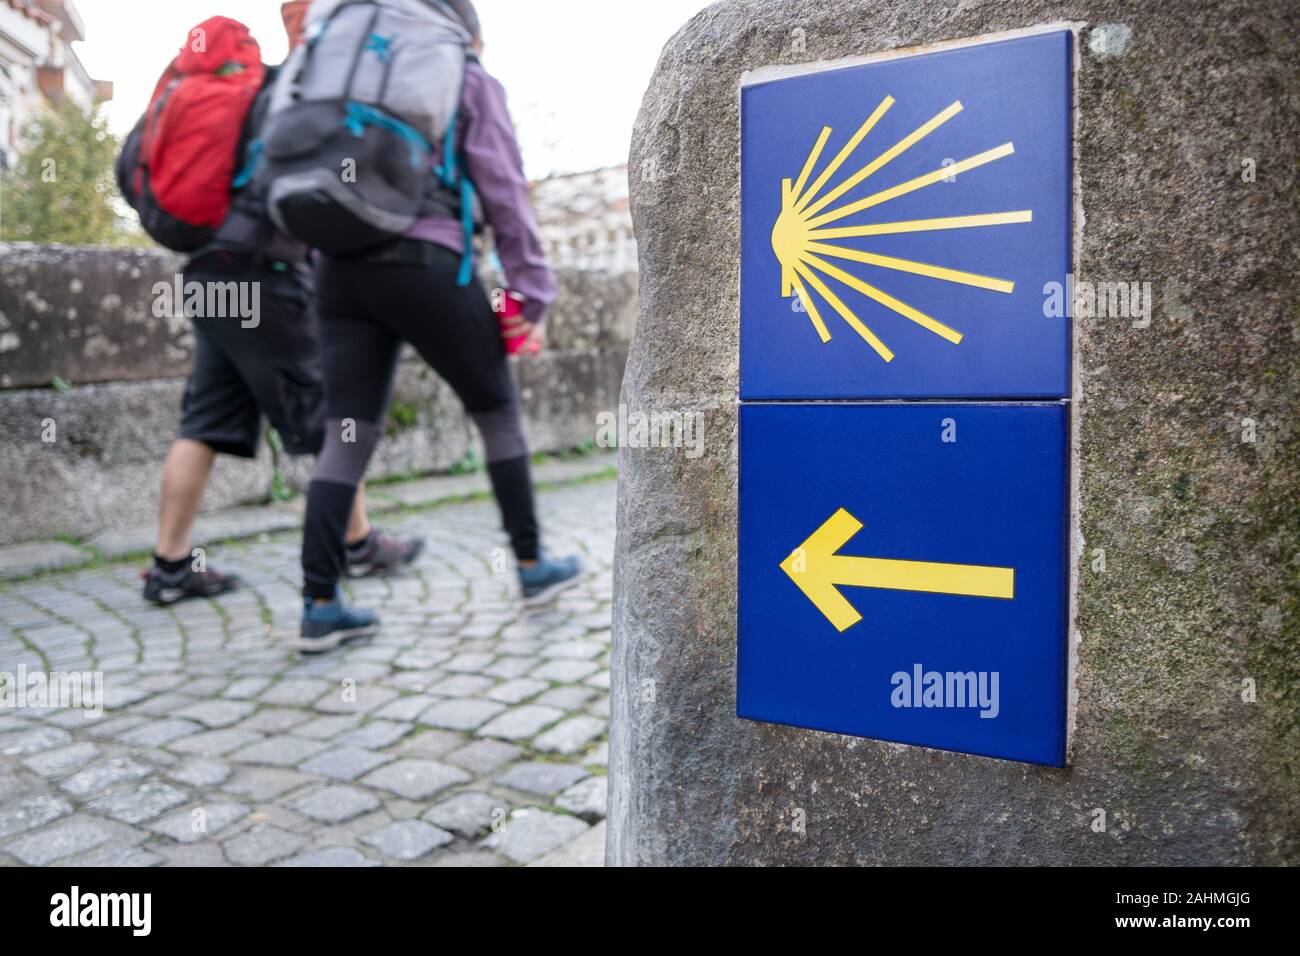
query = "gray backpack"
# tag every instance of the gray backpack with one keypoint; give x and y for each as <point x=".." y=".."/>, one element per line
<point x="355" y="118"/>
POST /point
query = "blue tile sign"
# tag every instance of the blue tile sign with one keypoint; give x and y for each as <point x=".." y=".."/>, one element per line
<point x="902" y="573"/>
<point x="899" y="221"/>
<point x="904" y="513"/>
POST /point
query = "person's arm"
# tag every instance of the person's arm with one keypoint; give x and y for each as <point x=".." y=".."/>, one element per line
<point x="495" y="166"/>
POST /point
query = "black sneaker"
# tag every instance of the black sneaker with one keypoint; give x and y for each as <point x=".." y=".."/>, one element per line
<point x="164" y="588"/>
<point x="382" y="552"/>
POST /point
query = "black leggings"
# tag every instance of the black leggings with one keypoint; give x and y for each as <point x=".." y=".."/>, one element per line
<point x="366" y="310"/>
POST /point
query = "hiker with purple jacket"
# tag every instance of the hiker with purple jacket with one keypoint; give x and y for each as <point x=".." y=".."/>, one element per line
<point x="417" y="285"/>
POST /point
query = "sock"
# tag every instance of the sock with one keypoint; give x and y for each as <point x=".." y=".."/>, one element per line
<point x="170" y="567"/>
<point x="361" y="545"/>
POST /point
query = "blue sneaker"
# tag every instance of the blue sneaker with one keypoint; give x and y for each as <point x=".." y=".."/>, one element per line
<point x="548" y="577"/>
<point x="326" y="626"/>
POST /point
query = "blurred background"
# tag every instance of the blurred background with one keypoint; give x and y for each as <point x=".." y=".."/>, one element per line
<point x="574" y="70"/>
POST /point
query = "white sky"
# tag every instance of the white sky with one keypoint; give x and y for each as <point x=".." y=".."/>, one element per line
<point x="575" y="70"/>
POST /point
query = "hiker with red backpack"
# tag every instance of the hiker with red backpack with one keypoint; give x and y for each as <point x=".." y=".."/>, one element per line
<point x="186" y="170"/>
<point x="388" y="148"/>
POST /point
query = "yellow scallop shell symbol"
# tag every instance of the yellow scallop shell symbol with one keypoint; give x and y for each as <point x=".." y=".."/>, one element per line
<point x="801" y="239"/>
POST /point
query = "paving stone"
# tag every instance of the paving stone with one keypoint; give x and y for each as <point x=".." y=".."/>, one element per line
<point x="117" y="857"/>
<point x="157" y="683"/>
<point x="586" y="799"/>
<point x="333" y="856"/>
<point x="145" y="802"/>
<point x="420" y="659"/>
<point x="188" y="826"/>
<point x="577" y="650"/>
<point x="570" y="736"/>
<point x="163" y="705"/>
<point x="511" y="666"/>
<point x="468" y="663"/>
<point x="326" y="728"/>
<point x="542" y="778"/>
<point x="407" y="839"/>
<point x="429" y="743"/>
<point x="405" y="708"/>
<point x="274" y="720"/>
<point x="598" y="757"/>
<point x="375" y="734"/>
<point x="359" y="672"/>
<point x="203" y="686"/>
<point x="484" y="756"/>
<point x="22" y="560"/>
<point x="263" y="783"/>
<point x="461" y="685"/>
<point x="10" y="787"/>
<point x="359" y="700"/>
<point x="58" y="763"/>
<point x="469" y="813"/>
<point x="520" y="723"/>
<point x="200" y="772"/>
<point x="100" y="776"/>
<point x="246" y="688"/>
<point x="587" y="850"/>
<point x="464" y="714"/>
<point x="529" y="834"/>
<point x="261" y="845"/>
<point x="564" y="671"/>
<point x="335" y="804"/>
<point x="20" y="816"/>
<point x="473" y="858"/>
<point x="114" y="725"/>
<point x="282" y="751"/>
<point x="296" y="692"/>
<point x="518" y="690"/>
<point x="566" y="698"/>
<point x="156" y="733"/>
<point x="415" y="779"/>
<point x="214" y="743"/>
<point x="192" y="855"/>
<point x="26" y="742"/>
<point x="600" y="679"/>
<point x="73" y="835"/>
<point x="218" y="713"/>
<point x="344" y="763"/>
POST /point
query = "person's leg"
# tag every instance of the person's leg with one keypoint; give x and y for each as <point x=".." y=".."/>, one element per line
<point x="280" y="360"/>
<point x="185" y="475"/>
<point x="218" y="416"/>
<point x="455" y="330"/>
<point x="358" y="359"/>
<point x="358" y="521"/>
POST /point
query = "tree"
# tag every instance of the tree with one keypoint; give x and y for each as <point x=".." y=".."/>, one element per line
<point x="62" y="187"/>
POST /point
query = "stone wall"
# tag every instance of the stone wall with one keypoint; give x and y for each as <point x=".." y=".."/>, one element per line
<point x="83" y="318"/>
<point x="1199" y="526"/>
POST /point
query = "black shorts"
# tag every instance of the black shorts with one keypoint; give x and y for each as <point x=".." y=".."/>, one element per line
<point x="244" y="371"/>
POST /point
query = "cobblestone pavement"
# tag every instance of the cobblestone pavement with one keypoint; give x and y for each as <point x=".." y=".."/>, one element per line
<point x="469" y="731"/>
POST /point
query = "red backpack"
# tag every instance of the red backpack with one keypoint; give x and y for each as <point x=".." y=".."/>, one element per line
<point x="177" y="165"/>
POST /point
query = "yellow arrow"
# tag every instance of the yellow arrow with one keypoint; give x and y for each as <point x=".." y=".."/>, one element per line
<point x="819" y="573"/>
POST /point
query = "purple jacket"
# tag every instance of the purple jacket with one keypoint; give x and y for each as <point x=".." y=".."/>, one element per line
<point x="487" y="139"/>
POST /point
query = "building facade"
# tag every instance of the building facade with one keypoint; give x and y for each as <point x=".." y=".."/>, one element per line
<point x="585" y="220"/>
<point x="39" y="66"/>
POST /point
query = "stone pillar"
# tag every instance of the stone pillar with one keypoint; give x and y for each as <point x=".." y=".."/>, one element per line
<point x="1185" y="705"/>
